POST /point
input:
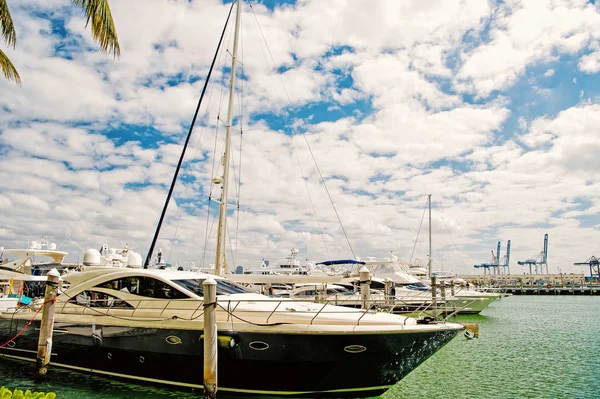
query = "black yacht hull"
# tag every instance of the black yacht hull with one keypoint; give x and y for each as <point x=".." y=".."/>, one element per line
<point x="259" y="363"/>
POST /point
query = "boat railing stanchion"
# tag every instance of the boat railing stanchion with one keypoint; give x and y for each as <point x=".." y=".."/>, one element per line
<point x="210" y="338"/>
<point x="47" y="325"/>
<point x="434" y="296"/>
<point x="364" y="286"/>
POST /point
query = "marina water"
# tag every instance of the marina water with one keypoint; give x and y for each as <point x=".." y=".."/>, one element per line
<point x="529" y="347"/>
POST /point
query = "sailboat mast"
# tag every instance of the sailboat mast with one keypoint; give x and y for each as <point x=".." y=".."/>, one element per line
<point x="429" y="263"/>
<point x="221" y="262"/>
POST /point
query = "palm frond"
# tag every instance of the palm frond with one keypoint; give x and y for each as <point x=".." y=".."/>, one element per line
<point x="8" y="69"/>
<point x="6" y="25"/>
<point x="103" y="27"/>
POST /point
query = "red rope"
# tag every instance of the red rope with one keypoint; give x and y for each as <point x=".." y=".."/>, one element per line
<point x="28" y="323"/>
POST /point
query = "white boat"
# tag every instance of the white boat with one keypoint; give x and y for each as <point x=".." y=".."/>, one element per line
<point x="147" y="325"/>
<point x="37" y="259"/>
<point x="290" y="266"/>
<point x="22" y="271"/>
<point x="112" y="257"/>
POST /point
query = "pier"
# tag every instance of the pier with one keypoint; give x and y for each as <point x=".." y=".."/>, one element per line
<point x="544" y="290"/>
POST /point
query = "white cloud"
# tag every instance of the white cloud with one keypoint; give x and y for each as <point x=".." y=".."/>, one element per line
<point x="72" y="165"/>
<point x="523" y="33"/>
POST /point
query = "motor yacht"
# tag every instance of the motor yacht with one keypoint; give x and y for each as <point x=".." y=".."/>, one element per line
<point x="147" y="325"/>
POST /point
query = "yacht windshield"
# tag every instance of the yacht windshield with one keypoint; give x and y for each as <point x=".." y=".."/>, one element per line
<point x="224" y="287"/>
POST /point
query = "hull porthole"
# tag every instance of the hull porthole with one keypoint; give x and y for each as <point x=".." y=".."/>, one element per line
<point x="142" y="360"/>
<point x="258" y="345"/>
<point x="355" y="349"/>
<point x="109" y="355"/>
<point x="173" y="340"/>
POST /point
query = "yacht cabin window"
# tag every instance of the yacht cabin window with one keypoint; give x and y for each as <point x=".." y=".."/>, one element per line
<point x="224" y="287"/>
<point x="95" y="299"/>
<point x="144" y="286"/>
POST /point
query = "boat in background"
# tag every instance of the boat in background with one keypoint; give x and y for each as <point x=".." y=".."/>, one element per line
<point x="112" y="257"/>
<point x="23" y="271"/>
<point x="37" y="259"/>
<point x="291" y="266"/>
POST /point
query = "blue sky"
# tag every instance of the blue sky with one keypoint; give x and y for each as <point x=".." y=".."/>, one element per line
<point x="490" y="107"/>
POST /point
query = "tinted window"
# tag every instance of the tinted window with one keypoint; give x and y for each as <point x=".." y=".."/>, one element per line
<point x="94" y="299"/>
<point x="224" y="287"/>
<point x="144" y="286"/>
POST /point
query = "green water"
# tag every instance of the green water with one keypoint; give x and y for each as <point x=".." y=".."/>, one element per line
<point x="529" y="347"/>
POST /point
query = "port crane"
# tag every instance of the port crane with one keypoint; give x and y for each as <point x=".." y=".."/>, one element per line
<point x="594" y="264"/>
<point x="538" y="262"/>
<point x="503" y="268"/>
<point x="495" y="265"/>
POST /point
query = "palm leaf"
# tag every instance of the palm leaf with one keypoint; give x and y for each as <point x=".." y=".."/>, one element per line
<point x="6" y="25"/>
<point x="8" y="69"/>
<point x="103" y="27"/>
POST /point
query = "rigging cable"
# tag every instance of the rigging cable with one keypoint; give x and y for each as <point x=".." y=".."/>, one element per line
<point x="417" y="238"/>
<point x="307" y="143"/>
<point x="187" y="186"/>
<point x="452" y="239"/>
<point x="239" y="188"/>
<point x="164" y="211"/>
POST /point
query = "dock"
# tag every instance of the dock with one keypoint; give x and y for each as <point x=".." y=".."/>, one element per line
<point x="544" y="290"/>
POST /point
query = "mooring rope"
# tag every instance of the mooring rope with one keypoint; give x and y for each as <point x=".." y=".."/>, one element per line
<point x="28" y="323"/>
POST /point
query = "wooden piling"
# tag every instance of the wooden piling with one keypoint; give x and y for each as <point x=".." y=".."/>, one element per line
<point x="389" y="293"/>
<point x="443" y="293"/>
<point x="47" y="325"/>
<point x="434" y="296"/>
<point x="452" y="287"/>
<point x="210" y="338"/>
<point x="364" y="276"/>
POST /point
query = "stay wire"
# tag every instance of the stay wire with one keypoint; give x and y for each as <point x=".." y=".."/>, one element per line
<point x="307" y="143"/>
<point x="310" y="198"/>
<point x="417" y="239"/>
<point x="239" y="190"/>
<point x="187" y="186"/>
<point x="453" y="243"/>
<point x="164" y="211"/>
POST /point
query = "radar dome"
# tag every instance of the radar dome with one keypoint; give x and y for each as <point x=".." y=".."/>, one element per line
<point x="134" y="260"/>
<point x="52" y="246"/>
<point x="91" y="257"/>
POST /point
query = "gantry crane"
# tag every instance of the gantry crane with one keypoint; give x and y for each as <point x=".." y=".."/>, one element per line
<point x="594" y="264"/>
<point x="504" y="266"/>
<point x="495" y="267"/>
<point x="539" y="262"/>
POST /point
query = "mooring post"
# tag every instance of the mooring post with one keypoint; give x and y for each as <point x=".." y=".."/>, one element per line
<point x="452" y="287"/>
<point x="210" y="338"/>
<point x="363" y="274"/>
<point x="434" y="295"/>
<point x="47" y="325"/>
<point x="443" y="293"/>
<point x="390" y="296"/>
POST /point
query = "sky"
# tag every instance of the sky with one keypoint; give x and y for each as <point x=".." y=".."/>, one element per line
<point x="344" y="111"/>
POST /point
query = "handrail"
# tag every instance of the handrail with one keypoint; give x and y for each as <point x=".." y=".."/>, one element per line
<point x="311" y="320"/>
<point x="187" y="309"/>
<point x="271" y="312"/>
